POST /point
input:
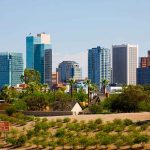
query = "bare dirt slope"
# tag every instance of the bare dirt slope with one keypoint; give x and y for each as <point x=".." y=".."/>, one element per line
<point x="109" y="117"/>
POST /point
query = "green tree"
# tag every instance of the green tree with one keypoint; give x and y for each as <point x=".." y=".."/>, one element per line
<point x="30" y="75"/>
<point x="105" y="82"/>
<point x="88" y="83"/>
<point x="71" y="83"/>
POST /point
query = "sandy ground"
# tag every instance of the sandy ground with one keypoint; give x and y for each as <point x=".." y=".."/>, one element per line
<point x="108" y="117"/>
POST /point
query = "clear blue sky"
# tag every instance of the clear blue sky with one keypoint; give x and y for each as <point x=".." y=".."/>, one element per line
<point x="75" y="25"/>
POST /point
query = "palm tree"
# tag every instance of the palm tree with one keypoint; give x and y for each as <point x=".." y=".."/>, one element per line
<point x="88" y="83"/>
<point x="104" y="82"/>
<point x="71" y="83"/>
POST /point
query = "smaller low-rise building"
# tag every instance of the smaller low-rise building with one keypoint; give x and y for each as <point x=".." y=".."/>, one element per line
<point x="113" y="89"/>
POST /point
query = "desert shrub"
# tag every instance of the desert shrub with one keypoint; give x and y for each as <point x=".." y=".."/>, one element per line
<point x="74" y="121"/>
<point x="41" y="126"/>
<point x="11" y="140"/>
<point x="58" y="120"/>
<point x="21" y="140"/>
<point x="117" y="121"/>
<point x="91" y="125"/>
<point x="139" y="138"/>
<point x="144" y="127"/>
<point x="84" y="141"/>
<point x="37" y="119"/>
<point x="52" y="144"/>
<point x="30" y="134"/>
<point x="98" y="121"/>
<point x="131" y="128"/>
<point x="52" y="123"/>
<point x="96" y="109"/>
<point x="60" y="133"/>
<point x="104" y="138"/>
<point x="10" y="110"/>
<point x="59" y="124"/>
<point x="127" y="122"/>
<point x="109" y="127"/>
<point x="44" y="120"/>
<point x="62" y="142"/>
<point x="22" y="122"/>
<point x="66" y="119"/>
<point x="119" y="128"/>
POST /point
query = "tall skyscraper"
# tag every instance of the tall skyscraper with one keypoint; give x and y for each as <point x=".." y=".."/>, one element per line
<point x="11" y="68"/>
<point x="39" y="56"/>
<point x="67" y="70"/>
<point x="124" y="64"/>
<point x="99" y="67"/>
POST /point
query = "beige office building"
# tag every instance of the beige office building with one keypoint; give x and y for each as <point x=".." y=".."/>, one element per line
<point x="124" y="64"/>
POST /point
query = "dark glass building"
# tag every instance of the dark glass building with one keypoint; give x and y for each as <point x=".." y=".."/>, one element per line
<point x="99" y="65"/>
<point x="39" y="56"/>
<point x="11" y="68"/>
<point x="143" y="76"/>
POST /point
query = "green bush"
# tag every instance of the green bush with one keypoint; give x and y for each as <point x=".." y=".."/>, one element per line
<point x="21" y="140"/>
<point x="58" y="120"/>
<point x="141" y="138"/>
<point x="20" y="105"/>
<point x="65" y="120"/>
<point x="127" y="122"/>
<point x="96" y="109"/>
<point x="98" y="121"/>
<point x="144" y="106"/>
<point x="30" y="134"/>
<point x="10" y="110"/>
<point x="44" y="120"/>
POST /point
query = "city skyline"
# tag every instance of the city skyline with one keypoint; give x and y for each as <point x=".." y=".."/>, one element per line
<point x="75" y="26"/>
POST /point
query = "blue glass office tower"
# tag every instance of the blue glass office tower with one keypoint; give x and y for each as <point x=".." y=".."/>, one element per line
<point x="39" y="56"/>
<point x="99" y="67"/>
<point x="43" y="61"/>
<point x="30" y="41"/>
<point x="11" y="68"/>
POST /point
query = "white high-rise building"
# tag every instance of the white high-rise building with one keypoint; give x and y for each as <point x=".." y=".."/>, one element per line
<point x="124" y="64"/>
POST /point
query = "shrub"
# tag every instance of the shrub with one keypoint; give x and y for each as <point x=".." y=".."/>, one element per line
<point x="65" y="120"/>
<point x="98" y="121"/>
<point x="58" y="120"/>
<point x="20" y="105"/>
<point x="60" y="133"/>
<point x="19" y="115"/>
<point x="138" y="138"/>
<point x="108" y="127"/>
<point x="144" y="106"/>
<point x="92" y="125"/>
<point x="44" y="119"/>
<point x="127" y="122"/>
<point x="30" y="133"/>
<point x="21" y="140"/>
<point x="74" y="121"/>
<point x="10" y="110"/>
<point x="117" y="121"/>
<point x="96" y="109"/>
<point x="11" y="140"/>
<point x="52" y="144"/>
